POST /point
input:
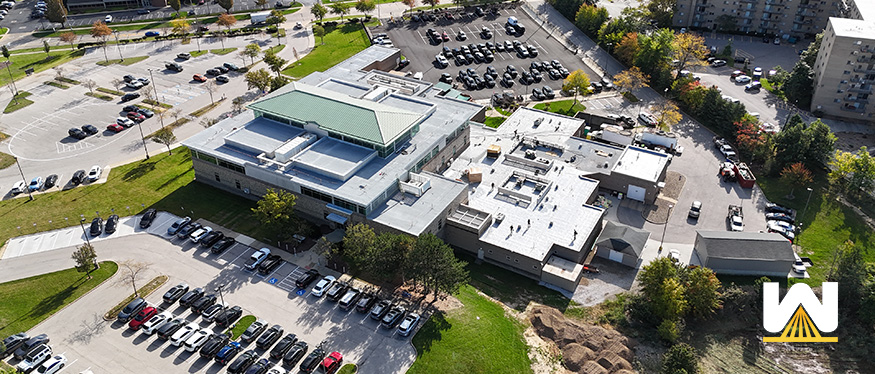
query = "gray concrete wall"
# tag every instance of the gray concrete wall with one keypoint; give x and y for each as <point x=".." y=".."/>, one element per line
<point x="564" y="283"/>
<point x="840" y="73"/>
<point x="470" y="242"/>
<point x="438" y="164"/>
<point x="772" y="17"/>
<point x="620" y="182"/>
<point x="749" y="267"/>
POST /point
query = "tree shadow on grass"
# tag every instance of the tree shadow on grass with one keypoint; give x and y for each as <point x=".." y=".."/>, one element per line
<point x="140" y="170"/>
<point x="53" y="302"/>
<point x="430" y="333"/>
<point x="172" y="180"/>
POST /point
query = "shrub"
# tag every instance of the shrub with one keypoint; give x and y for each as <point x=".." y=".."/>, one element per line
<point x="680" y="358"/>
<point x="669" y="330"/>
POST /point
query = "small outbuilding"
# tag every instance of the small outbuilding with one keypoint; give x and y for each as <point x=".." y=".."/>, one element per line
<point x="621" y="243"/>
<point x="745" y="253"/>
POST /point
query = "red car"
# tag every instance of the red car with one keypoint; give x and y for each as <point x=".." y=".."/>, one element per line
<point x="142" y="317"/>
<point x="445" y="37"/>
<point x="115" y="127"/>
<point x="199" y="78"/>
<point x="136" y="117"/>
<point x="331" y="363"/>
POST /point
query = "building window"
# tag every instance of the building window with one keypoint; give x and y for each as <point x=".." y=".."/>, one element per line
<point x="490" y="251"/>
<point x="232" y="166"/>
<point x="205" y="157"/>
<point x="440" y="223"/>
<point x="237" y="183"/>
<point x="535" y="267"/>
<point x="316" y="195"/>
<point x="508" y="257"/>
<point x="516" y="260"/>
<point x="217" y="178"/>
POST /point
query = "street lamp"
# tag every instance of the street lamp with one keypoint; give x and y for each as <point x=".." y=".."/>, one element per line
<point x="140" y="126"/>
<point x="82" y="225"/>
<point x="807" y="201"/>
<point x="155" y="88"/>
<point x="662" y="239"/>
<point x="23" y="179"/>
<point x="119" y="47"/>
<point x="222" y="297"/>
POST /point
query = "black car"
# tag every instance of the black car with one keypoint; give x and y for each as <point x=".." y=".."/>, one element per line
<point x="188" y="229"/>
<point x="253" y="331"/>
<point x="269" y="264"/>
<point x="29" y="344"/>
<point x="147" y="218"/>
<point x="298" y="350"/>
<point x="96" y="227"/>
<point x="130" y="310"/>
<point x="210" y="313"/>
<point x="222" y="245"/>
<point x="380" y="309"/>
<point x="11" y="343"/>
<point x="548" y="92"/>
<point x="366" y="302"/>
<point x="228" y="316"/>
<point x="145" y="112"/>
<point x="337" y="290"/>
<point x="51" y="180"/>
<point x="312" y="360"/>
<point x="775" y="208"/>
<point x="172" y="295"/>
<point x="129" y="108"/>
<point x="307" y="278"/>
<point x="203" y="303"/>
<point x="173" y="66"/>
<point x="191" y="296"/>
<point x="283" y="346"/>
<point x="78" y="177"/>
<point x="260" y="367"/>
<point x="89" y="129"/>
<point x="214" y="343"/>
<point x="350" y="298"/>
<point x="393" y="317"/>
<point x="213" y="72"/>
<point x="169" y="328"/>
<point x="129" y="78"/>
<point x="230" y="66"/>
<point x="76" y="133"/>
<point x="243" y="362"/>
<point x="111" y="224"/>
<point x="211" y="239"/>
<point x="130" y="96"/>
<point x="269" y="337"/>
<point x="221" y="69"/>
<point x="183" y="56"/>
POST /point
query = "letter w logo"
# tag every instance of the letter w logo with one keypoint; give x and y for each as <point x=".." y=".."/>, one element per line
<point x="800" y="315"/>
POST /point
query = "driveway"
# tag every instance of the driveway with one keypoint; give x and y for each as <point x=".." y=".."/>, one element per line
<point x="110" y="347"/>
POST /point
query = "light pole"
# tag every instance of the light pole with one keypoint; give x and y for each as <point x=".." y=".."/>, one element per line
<point x="155" y="88"/>
<point x="119" y="47"/>
<point x="140" y="126"/>
<point x="222" y="297"/>
<point x="662" y="239"/>
<point x="807" y="201"/>
<point x="23" y="179"/>
<point x="82" y="225"/>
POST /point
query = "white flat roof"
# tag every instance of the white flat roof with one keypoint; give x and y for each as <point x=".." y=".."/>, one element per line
<point x="867" y="9"/>
<point x="641" y="163"/>
<point x="853" y="28"/>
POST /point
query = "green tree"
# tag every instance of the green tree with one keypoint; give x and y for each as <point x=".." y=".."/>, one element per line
<point x="86" y="259"/>
<point x="852" y="173"/>
<point x="46" y="48"/>
<point x="359" y="246"/>
<point x="226" y="4"/>
<point x="392" y="253"/>
<point x="276" y="211"/>
<point x="259" y="79"/>
<point x="725" y="23"/>
<point x="590" y="19"/>
<point x="654" y="55"/>
<point x="702" y="292"/>
<point x="56" y="12"/>
<point x="276" y="17"/>
<point x="689" y="50"/>
<point x="567" y="8"/>
<point x="627" y="49"/>
<point x="660" y="285"/>
<point x="252" y="50"/>
<point x="577" y="83"/>
<point x="274" y="62"/>
<point x="661" y="11"/>
<point x="809" y="56"/>
<point x="680" y="358"/>
<point x="367" y="6"/>
<point x="432" y="265"/>
<point x="277" y="82"/>
<point x="630" y="80"/>
<point x="800" y="84"/>
<point x="319" y="31"/>
<point x="851" y="273"/>
<point x="340" y="9"/>
<point x="261" y="3"/>
<point x="176" y="5"/>
<point x="180" y="26"/>
<point x="821" y="144"/>
<point x="165" y="136"/>
<point x="669" y="302"/>
<point x="319" y="11"/>
<point x="669" y="330"/>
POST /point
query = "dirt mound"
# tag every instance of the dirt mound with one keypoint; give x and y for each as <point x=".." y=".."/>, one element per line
<point x="585" y="348"/>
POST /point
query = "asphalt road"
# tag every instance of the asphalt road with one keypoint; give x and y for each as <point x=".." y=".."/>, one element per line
<point x="411" y="38"/>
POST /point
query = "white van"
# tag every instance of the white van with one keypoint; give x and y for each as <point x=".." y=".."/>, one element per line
<point x="512" y="21"/>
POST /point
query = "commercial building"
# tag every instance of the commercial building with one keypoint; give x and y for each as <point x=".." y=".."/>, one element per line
<point x="845" y="66"/>
<point x="95" y="4"/>
<point x="777" y="18"/>
<point x="745" y="253"/>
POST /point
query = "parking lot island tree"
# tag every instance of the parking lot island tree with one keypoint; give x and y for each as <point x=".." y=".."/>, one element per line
<point x="180" y="26"/>
<point x="367" y="6"/>
<point x="276" y="211"/>
<point x="68" y="37"/>
<point x="165" y="136"/>
<point x="132" y="272"/>
<point x="319" y="11"/>
<point x="576" y="83"/>
<point x="90" y="85"/>
<point x="56" y="12"/>
<point x="47" y="48"/>
<point x="688" y="50"/>
<point x="252" y="50"/>
<point x="276" y="17"/>
<point x="226" y="4"/>
<point x="227" y="21"/>
<point x="274" y="62"/>
<point x="259" y="79"/>
<point x="340" y="9"/>
<point x="86" y="259"/>
<point x="211" y="88"/>
<point x="410" y="4"/>
<point x="100" y="31"/>
<point x="319" y="31"/>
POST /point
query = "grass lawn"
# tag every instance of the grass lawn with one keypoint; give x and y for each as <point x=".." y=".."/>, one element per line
<point x="204" y="110"/>
<point x="39" y="62"/>
<point x="562" y="107"/>
<point x="241" y="326"/>
<point x="198" y="53"/>
<point x="341" y="42"/>
<point x="3" y="30"/>
<point x="276" y="48"/>
<point x="22" y="102"/>
<point x="513" y="290"/>
<point x="826" y="225"/>
<point x="348" y="369"/>
<point x="494" y="122"/>
<point x="476" y="338"/>
<point x="100" y="96"/>
<point x="126" y="62"/>
<point x="6" y="160"/>
<point x="222" y="52"/>
<point x="143" y="292"/>
<point x="109" y="91"/>
<point x="29" y="301"/>
<point x="56" y="84"/>
<point x="157" y="103"/>
<point x="768" y="87"/>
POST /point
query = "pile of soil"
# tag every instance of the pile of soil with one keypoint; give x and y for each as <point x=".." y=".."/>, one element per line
<point x="585" y="348"/>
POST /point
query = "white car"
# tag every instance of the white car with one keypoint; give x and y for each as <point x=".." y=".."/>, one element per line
<point x="648" y="118"/>
<point x="257" y="258"/>
<point x="799" y="267"/>
<point x="278" y="369"/>
<point x="736" y="223"/>
<point x="441" y="60"/>
<point x="36" y="357"/>
<point x="408" y="324"/>
<point x="19" y="187"/>
<point x="742" y="79"/>
<point x="197" y="339"/>
<point x="322" y="285"/>
<point x="125" y="122"/>
<point x="183" y="334"/>
<point x="53" y="365"/>
<point x="94" y="173"/>
<point x="108" y="18"/>
<point x="134" y="84"/>
<point x="200" y="233"/>
<point x="155" y="323"/>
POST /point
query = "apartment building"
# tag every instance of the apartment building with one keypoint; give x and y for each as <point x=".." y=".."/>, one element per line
<point x="845" y="67"/>
<point x="781" y="18"/>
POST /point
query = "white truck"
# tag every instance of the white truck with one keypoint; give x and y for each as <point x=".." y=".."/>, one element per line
<point x="259" y="17"/>
<point x="661" y="138"/>
<point x="613" y="134"/>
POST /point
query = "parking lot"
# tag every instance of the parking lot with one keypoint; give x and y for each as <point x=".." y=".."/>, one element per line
<point x="76" y="331"/>
<point x="411" y="38"/>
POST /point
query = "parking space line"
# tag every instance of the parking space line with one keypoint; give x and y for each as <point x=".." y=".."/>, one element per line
<point x="275" y="270"/>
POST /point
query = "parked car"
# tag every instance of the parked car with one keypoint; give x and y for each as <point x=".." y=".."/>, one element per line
<point x="332" y="362"/>
<point x="259" y="367"/>
<point x="228" y="352"/>
<point x="136" y="117"/>
<point x="209" y="314"/>
<point x="89" y="129"/>
<point x="312" y="360"/>
<point x="96" y="227"/>
<point x="228" y="316"/>
<point x="114" y="127"/>
<point x="51" y="180"/>
<point x="253" y="331"/>
<point x="145" y="112"/>
<point x="718" y="63"/>
<point x="52" y="365"/>
<point x="307" y="278"/>
<point x="175" y="293"/>
<point x="298" y="350"/>
<point x="36" y="184"/>
<point x="322" y="286"/>
<point x="411" y="320"/>
<point x="222" y="245"/>
<point x="158" y="320"/>
<point x="380" y="310"/>
<point x="349" y="298"/>
<point x="213" y="344"/>
<point x="34" y="358"/>
<point x="130" y="96"/>
<point x="695" y="210"/>
<point x="191" y="296"/>
<point x="108" y="18"/>
<point x="188" y="229"/>
<point x="243" y="362"/>
<point x="775" y="208"/>
<point x="269" y="264"/>
<point x="742" y="79"/>
<point x="197" y="340"/>
<point x="181" y="335"/>
<point x="393" y="317"/>
<point x="337" y="291"/>
<point x="143" y="316"/>
<point x="256" y="258"/>
<point x="78" y="177"/>
<point x="94" y="173"/>
<point x="201" y="304"/>
<point x="199" y="78"/>
<point x="125" y="122"/>
<point x="77" y="133"/>
<point x="183" y="56"/>
<point x="648" y="119"/>
<point x="269" y="337"/>
<point x="170" y="327"/>
<point x="223" y="79"/>
<point x="173" y="66"/>
<point x="130" y="310"/>
<point x="177" y="225"/>
<point x="200" y="233"/>
<point x="11" y="343"/>
<point x="111" y="224"/>
<point x="230" y="66"/>
<point x="147" y="218"/>
<point x="28" y="345"/>
<point x="366" y="302"/>
<point x="283" y="346"/>
<point x="211" y="239"/>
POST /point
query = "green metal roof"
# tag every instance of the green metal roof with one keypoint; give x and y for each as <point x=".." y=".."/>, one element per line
<point x="362" y="119"/>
